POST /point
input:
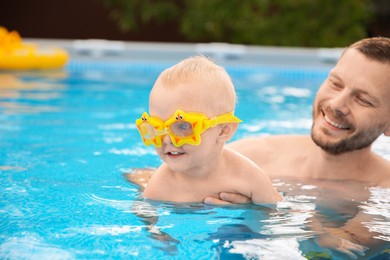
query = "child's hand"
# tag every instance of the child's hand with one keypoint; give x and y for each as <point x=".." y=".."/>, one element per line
<point x="226" y="198"/>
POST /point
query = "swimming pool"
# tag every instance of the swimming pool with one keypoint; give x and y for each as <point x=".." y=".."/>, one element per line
<point x="67" y="137"/>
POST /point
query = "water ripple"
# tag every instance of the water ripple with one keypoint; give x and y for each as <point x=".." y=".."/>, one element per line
<point x="31" y="246"/>
<point x="378" y="205"/>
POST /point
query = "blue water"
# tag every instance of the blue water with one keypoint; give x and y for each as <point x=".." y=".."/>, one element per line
<point x="67" y="138"/>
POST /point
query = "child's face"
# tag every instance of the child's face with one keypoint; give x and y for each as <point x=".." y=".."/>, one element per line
<point x="164" y="101"/>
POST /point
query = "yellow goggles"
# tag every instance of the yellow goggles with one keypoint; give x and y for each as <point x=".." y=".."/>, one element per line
<point x="182" y="128"/>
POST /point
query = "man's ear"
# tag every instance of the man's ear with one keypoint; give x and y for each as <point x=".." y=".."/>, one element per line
<point x="387" y="131"/>
<point x="227" y="132"/>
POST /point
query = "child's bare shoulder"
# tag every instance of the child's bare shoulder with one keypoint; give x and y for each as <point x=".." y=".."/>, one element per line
<point x="242" y="168"/>
<point x="250" y="178"/>
<point x="158" y="184"/>
<point x="160" y="176"/>
<point x="236" y="160"/>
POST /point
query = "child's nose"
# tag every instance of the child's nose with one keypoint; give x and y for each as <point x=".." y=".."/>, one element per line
<point x="166" y="139"/>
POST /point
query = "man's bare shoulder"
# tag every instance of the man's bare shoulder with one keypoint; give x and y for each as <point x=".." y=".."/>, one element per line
<point x="383" y="172"/>
<point x="266" y="149"/>
<point x="266" y="144"/>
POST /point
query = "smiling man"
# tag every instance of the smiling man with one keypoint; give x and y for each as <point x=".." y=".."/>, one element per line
<point x="351" y="110"/>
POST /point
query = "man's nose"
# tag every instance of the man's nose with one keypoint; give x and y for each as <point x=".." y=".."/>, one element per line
<point x="341" y="103"/>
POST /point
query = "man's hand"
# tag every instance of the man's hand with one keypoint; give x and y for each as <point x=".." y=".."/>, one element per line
<point x="226" y="198"/>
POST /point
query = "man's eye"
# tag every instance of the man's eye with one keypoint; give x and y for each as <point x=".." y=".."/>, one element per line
<point x="335" y="85"/>
<point x="364" y="102"/>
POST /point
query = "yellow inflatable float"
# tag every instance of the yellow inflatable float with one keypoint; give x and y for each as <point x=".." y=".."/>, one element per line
<point x="15" y="55"/>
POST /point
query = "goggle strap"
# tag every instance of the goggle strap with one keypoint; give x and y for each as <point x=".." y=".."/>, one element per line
<point x="227" y="118"/>
<point x="224" y="119"/>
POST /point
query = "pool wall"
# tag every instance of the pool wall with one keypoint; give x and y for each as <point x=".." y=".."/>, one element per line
<point x="228" y="54"/>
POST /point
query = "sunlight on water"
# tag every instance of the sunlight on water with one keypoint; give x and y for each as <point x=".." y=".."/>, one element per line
<point x="283" y="248"/>
<point x="378" y="205"/>
<point x="31" y="246"/>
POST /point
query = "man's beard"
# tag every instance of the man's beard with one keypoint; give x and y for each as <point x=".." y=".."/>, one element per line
<point x="356" y="141"/>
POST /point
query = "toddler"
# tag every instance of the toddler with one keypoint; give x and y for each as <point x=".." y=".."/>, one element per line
<point x="191" y="117"/>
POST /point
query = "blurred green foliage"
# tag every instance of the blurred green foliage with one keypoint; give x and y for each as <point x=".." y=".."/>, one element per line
<point x="307" y="23"/>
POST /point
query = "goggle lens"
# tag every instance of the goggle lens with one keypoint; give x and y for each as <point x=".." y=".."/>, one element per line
<point x="178" y="129"/>
<point x="181" y="129"/>
<point x="147" y="131"/>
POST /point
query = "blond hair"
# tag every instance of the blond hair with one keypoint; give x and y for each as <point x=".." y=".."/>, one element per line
<point x="205" y="73"/>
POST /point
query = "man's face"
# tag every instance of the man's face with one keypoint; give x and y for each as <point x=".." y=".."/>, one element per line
<point x="352" y="106"/>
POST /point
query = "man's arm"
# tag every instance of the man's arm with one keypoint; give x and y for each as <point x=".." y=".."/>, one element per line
<point x="350" y="239"/>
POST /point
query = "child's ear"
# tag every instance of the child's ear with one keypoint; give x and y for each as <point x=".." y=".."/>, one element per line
<point x="227" y="132"/>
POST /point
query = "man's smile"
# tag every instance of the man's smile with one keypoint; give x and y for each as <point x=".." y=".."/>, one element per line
<point x="333" y="123"/>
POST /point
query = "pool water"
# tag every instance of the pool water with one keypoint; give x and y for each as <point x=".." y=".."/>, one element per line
<point x="68" y="137"/>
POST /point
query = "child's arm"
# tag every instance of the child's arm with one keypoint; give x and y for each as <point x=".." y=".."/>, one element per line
<point x="263" y="192"/>
<point x="140" y="177"/>
<point x="256" y="182"/>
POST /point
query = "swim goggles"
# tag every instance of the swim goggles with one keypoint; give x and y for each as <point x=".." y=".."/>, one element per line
<point x="182" y="128"/>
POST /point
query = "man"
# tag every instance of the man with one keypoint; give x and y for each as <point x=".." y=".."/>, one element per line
<point x="351" y="110"/>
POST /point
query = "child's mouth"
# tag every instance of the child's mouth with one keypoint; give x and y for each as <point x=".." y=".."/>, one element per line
<point x="174" y="154"/>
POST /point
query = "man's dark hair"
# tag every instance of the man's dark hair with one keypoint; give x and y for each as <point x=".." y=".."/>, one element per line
<point x="376" y="48"/>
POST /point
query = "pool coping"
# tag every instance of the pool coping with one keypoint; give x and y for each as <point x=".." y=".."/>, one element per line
<point x="225" y="53"/>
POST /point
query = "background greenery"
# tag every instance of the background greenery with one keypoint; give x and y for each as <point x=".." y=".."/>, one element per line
<point x="308" y="23"/>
